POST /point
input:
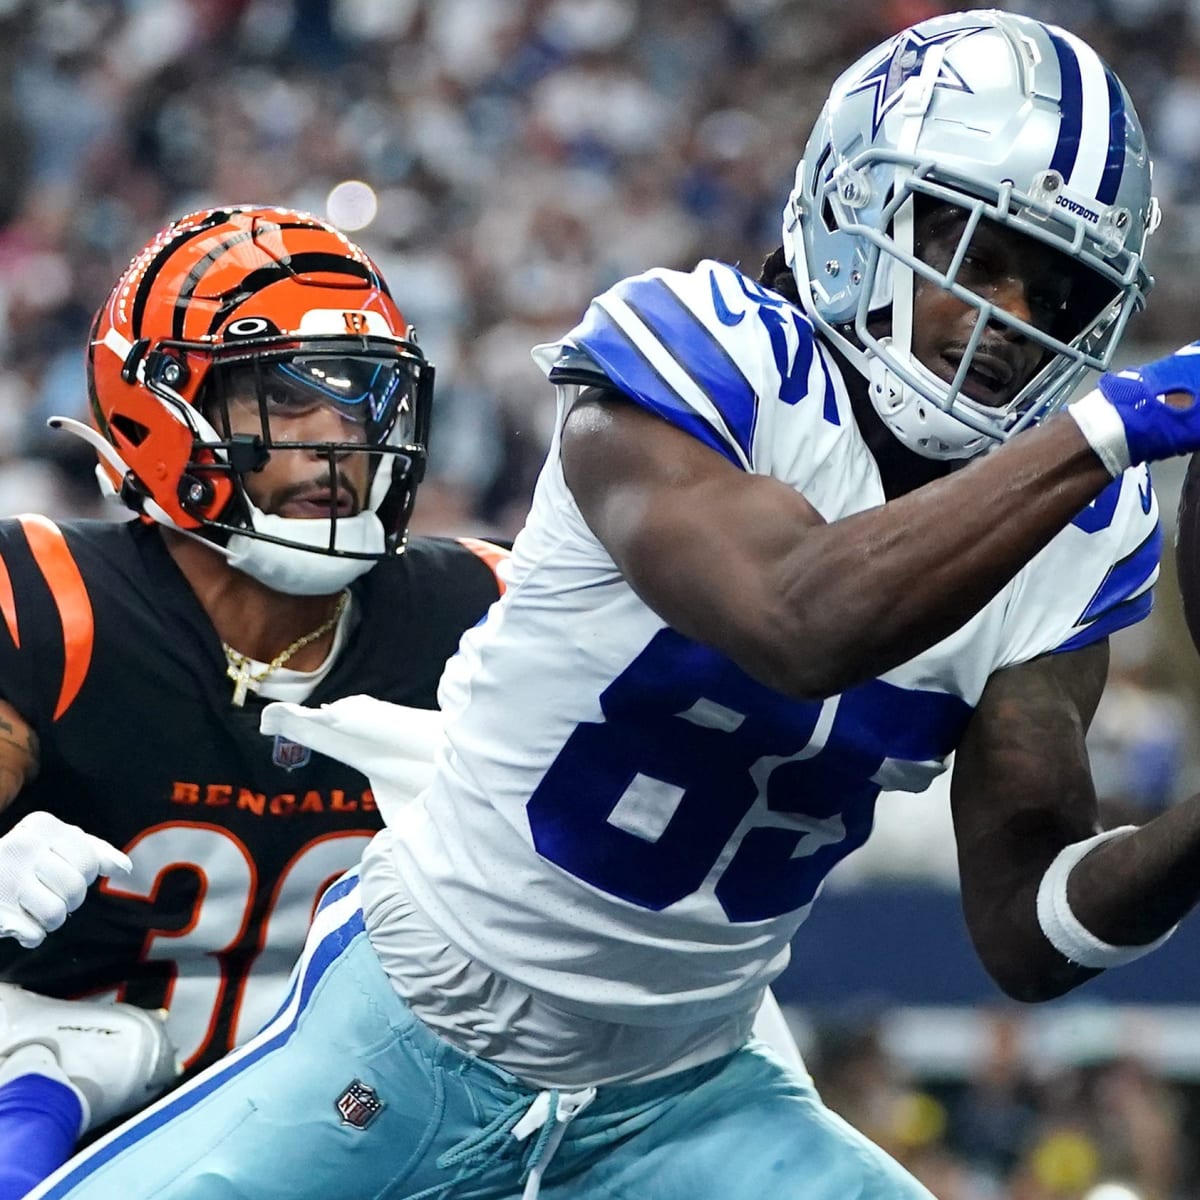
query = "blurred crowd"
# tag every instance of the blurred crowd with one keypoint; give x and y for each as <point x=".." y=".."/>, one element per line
<point x="505" y="160"/>
<point x="1103" y="1127"/>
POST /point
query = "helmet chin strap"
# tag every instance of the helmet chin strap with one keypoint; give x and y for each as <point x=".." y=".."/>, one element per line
<point x="916" y="422"/>
<point x="298" y="571"/>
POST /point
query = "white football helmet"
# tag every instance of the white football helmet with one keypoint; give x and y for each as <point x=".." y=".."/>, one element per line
<point x="1014" y="121"/>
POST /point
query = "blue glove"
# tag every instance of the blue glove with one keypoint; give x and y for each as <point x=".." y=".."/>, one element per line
<point x="1153" y="429"/>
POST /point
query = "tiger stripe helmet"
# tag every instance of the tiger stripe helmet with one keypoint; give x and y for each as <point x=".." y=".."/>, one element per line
<point x="263" y="289"/>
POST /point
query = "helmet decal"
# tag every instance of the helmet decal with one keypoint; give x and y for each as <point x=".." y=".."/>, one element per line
<point x="1090" y="154"/>
<point x="906" y="58"/>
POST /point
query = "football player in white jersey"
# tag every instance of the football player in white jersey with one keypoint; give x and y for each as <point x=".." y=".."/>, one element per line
<point x="796" y="541"/>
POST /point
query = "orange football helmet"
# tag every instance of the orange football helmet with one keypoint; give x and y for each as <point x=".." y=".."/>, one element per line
<point x="282" y="304"/>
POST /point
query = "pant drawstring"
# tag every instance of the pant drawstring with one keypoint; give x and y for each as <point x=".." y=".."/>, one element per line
<point x="548" y="1115"/>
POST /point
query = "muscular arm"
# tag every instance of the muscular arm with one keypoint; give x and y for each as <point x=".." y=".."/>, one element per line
<point x="745" y="564"/>
<point x="19" y="754"/>
<point x="1022" y="790"/>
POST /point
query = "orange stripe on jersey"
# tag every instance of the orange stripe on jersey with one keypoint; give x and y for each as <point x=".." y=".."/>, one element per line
<point x="53" y="556"/>
<point x="8" y="604"/>
<point x="491" y="554"/>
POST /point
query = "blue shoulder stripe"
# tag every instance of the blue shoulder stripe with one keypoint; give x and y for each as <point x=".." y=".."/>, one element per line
<point x="692" y="345"/>
<point x="682" y="335"/>
<point x="633" y="374"/>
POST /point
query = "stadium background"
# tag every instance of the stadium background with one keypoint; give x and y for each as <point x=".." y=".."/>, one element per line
<point x="504" y="160"/>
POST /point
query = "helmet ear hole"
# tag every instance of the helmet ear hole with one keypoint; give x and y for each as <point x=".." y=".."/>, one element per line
<point x="134" y="432"/>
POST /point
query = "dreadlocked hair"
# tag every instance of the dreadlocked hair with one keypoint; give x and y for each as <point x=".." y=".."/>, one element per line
<point x="777" y="276"/>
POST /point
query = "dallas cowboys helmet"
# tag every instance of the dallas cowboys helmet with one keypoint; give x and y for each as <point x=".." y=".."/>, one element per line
<point x="1015" y="122"/>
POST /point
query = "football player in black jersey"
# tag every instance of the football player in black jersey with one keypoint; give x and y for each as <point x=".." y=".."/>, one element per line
<point x="261" y="405"/>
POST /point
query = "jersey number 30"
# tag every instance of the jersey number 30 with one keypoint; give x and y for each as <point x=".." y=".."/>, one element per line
<point x="221" y="919"/>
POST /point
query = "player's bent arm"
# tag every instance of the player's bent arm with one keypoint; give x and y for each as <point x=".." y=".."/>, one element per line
<point x="20" y="757"/>
<point x="1023" y="799"/>
<point x="744" y="563"/>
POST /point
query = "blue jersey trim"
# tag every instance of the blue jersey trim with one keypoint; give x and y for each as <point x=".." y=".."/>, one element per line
<point x="1126" y="577"/>
<point x="1129" y="613"/>
<point x="628" y="369"/>
<point x="692" y="345"/>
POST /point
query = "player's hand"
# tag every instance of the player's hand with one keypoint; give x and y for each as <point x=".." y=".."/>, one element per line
<point x="46" y="867"/>
<point x="1156" y="406"/>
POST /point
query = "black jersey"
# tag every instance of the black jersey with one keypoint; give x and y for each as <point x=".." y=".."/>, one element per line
<point x="107" y="653"/>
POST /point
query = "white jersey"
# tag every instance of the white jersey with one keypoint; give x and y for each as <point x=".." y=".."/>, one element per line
<point x="624" y="821"/>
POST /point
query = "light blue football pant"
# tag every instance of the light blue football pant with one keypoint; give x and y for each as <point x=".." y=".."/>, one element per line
<point x="263" y="1124"/>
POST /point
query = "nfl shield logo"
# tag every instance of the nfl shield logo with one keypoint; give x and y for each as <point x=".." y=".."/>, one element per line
<point x="289" y="755"/>
<point x="359" y="1104"/>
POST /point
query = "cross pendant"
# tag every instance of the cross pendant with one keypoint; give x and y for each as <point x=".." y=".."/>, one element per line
<point x="241" y="682"/>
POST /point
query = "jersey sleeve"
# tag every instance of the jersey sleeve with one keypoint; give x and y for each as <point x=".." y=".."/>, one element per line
<point x="1096" y="577"/>
<point x="46" y="622"/>
<point x="710" y="351"/>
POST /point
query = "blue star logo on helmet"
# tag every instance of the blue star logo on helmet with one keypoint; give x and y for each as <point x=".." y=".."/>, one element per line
<point x="906" y="59"/>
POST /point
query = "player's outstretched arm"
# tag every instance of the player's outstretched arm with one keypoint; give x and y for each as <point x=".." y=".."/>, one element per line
<point x="1047" y="902"/>
<point x="46" y="867"/>
<point x="746" y="564"/>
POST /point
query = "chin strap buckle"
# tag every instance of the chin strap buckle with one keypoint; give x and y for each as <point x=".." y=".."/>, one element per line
<point x="247" y="452"/>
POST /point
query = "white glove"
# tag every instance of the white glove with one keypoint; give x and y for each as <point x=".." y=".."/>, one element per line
<point x="46" y="867"/>
<point x="392" y="745"/>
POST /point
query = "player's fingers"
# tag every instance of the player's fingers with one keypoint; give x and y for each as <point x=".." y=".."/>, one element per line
<point x="110" y="860"/>
<point x="92" y="855"/>
<point x="65" y="880"/>
<point x="28" y="934"/>
<point x="46" y="905"/>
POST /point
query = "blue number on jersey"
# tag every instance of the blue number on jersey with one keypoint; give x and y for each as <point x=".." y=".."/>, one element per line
<point x="683" y="715"/>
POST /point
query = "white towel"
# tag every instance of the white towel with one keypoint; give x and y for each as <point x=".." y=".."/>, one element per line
<point x="392" y="745"/>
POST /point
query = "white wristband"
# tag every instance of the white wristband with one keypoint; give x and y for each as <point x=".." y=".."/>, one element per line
<point x="1101" y="424"/>
<point x="1062" y="927"/>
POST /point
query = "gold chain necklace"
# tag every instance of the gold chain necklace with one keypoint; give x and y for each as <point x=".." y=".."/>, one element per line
<point x="239" y="667"/>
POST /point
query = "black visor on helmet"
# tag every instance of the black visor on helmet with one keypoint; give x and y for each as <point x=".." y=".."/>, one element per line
<point x="374" y="398"/>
